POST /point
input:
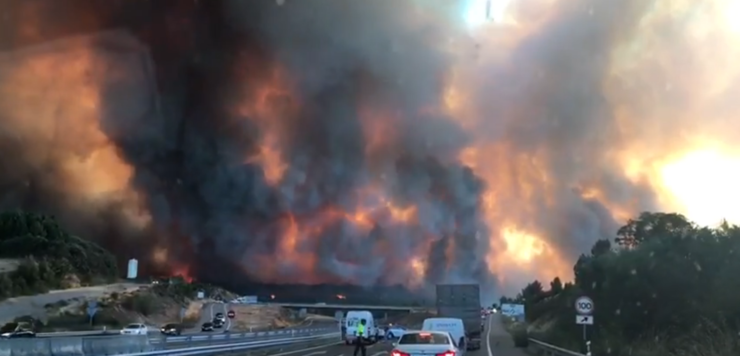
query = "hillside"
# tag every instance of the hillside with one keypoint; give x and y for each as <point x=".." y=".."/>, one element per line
<point x="39" y="255"/>
<point x="662" y="287"/>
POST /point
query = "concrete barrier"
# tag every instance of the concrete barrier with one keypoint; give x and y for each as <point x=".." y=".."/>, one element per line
<point x="5" y="349"/>
<point x="116" y="345"/>
<point x="75" y="346"/>
<point x="67" y="346"/>
<point x="27" y="347"/>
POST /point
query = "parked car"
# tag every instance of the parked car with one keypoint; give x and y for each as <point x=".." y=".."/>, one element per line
<point x="135" y="329"/>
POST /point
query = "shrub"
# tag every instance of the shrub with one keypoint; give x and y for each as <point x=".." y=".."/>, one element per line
<point x="49" y="254"/>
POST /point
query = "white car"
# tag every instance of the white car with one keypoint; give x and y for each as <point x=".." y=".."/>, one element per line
<point x="135" y="329"/>
<point x="395" y="332"/>
<point x="437" y="343"/>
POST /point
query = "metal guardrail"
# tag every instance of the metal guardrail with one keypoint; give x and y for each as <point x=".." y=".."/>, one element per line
<point x="156" y="333"/>
<point x="232" y="347"/>
<point x="230" y="335"/>
<point x="545" y="349"/>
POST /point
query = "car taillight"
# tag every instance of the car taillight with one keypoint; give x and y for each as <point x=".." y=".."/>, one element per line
<point x="398" y="353"/>
<point x="448" y="353"/>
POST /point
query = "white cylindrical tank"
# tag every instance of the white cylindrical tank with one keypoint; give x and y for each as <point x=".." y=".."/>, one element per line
<point x="133" y="269"/>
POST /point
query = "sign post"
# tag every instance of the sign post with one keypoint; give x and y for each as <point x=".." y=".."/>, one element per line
<point x="92" y="309"/>
<point x="585" y="308"/>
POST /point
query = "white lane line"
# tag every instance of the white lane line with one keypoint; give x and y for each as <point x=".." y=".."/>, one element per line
<point x="379" y="353"/>
<point x="228" y="320"/>
<point x="308" y="349"/>
<point x="488" y="336"/>
<point x="315" y="353"/>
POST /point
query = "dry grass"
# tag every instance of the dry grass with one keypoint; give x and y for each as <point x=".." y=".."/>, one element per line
<point x="257" y="317"/>
<point x="706" y="340"/>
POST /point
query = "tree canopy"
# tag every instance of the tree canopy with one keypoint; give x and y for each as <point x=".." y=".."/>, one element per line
<point x="660" y="278"/>
<point x="48" y="255"/>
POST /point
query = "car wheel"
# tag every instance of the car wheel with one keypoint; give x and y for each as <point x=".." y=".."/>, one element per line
<point x="390" y="336"/>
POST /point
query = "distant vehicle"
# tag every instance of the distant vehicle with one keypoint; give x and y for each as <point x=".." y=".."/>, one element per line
<point x="395" y="331"/>
<point x="437" y="343"/>
<point x="453" y="326"/>
<point x="352" y="320"/>
<point x="462" y="302"/>
<point x="170" y="329"/>
<point x="218" y="323"/>
<point x="207" y="326"/>
<point x="220" y="316"/>
<point x="18" y="334"/>
<point x="135" y="329"/>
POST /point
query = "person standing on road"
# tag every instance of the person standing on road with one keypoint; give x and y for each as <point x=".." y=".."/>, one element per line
<point x="360" y="339"/>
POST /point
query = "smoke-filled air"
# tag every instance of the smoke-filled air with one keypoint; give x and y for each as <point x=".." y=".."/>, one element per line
<point x="368" y="142"/>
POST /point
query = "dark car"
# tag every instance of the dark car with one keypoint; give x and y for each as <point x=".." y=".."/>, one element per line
<point x="207" y="326"/>
<point x="171" y="330"/>
<point x="218" y="323"/>
<point x="18" y="334"/>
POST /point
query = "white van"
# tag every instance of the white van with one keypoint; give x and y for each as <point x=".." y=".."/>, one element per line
<point x="352" y="319"/>
<point x="454" y="326"/>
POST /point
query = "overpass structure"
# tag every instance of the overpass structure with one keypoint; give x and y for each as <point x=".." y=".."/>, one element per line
<point x="353" y="307"/>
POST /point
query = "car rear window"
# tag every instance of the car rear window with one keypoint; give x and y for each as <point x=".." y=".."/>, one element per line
<point x="424" y="338"/>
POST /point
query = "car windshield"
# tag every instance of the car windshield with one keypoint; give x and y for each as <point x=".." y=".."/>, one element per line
<point x="133" y="326"/>
<point x="169" y="326"/>
<point x="353" y="322"/>
<point x="207" y="324"/>
<point x="424" y="339"/>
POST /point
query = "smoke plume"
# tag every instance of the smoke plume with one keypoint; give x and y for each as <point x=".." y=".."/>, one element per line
<point x="363" y="142"/>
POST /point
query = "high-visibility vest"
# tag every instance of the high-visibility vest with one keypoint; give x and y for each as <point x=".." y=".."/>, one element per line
<point x="360" y="330"/>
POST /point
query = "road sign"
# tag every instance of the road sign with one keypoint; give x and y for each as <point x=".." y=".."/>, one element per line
<point x="231" y="314"/>
<point x="584" y="306"/>
<point x="585" y="319"/>
<point x="92" y="308"/>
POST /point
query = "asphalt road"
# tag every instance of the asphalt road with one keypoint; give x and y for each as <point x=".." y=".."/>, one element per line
<point x="496" y="342"/>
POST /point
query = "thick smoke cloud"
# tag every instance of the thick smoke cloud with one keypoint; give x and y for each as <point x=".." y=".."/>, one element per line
<point x="364" y="142"/>
<point x="189" y="150"/>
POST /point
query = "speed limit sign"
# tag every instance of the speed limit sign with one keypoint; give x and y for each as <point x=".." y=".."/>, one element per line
<point x="584" y="305"/>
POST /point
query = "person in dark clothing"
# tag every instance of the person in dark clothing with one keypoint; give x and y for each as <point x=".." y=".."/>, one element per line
<point x="360" y="339"/>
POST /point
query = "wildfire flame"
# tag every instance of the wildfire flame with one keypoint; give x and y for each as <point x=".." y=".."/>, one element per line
<point x="665" y="141"/>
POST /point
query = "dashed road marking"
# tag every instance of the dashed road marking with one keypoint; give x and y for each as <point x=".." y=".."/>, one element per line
<point x="308" y="349"/>
<point x="488" y="337"/>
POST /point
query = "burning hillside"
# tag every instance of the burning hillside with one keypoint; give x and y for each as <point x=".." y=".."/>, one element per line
<point x="378" y="142"/>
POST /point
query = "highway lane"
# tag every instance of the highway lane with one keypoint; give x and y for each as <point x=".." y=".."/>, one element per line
<point x="195" y="343"/>
<point x="496" y="341"/>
